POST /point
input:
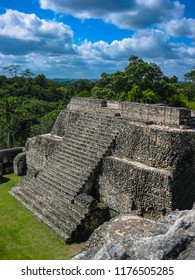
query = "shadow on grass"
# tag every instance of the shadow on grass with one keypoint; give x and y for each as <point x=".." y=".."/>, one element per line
<point x="4" y="180"/>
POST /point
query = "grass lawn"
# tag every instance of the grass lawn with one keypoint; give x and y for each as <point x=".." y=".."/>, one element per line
<point x="22" y="236"/>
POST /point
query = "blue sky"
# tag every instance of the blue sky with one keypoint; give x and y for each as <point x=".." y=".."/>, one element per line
<point x="84" y="38"/>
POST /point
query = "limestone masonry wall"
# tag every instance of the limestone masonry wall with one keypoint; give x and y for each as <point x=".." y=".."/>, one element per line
<point x="155" y="113"/>
<point x="38" y="149"/>
<point x="121" y="156"/>
<point x="6" y="159"/>
<point x="127" y="185"/>
<point x="151" y="141"/>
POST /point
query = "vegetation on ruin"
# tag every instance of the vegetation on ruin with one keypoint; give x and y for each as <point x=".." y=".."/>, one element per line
<point x="29" y="104"/>
<point x="22" y="236"/>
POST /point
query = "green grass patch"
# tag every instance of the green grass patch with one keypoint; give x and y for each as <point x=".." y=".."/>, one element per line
<point x="22" y="236"/>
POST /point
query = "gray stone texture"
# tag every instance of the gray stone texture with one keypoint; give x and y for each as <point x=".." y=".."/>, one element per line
<point x="19" y="164"/>
<point x="106" y="158"/>
<point x="127" y="185"/>
<point x="6" y="159"/>
<point x="155" y="113"/>
<point x="61" y="175"/>
<point x="131" y="237"/>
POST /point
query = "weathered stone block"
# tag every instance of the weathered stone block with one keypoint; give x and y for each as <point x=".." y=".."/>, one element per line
<point x="19" y="164"/>
<point x="127" y="185"/>
<point x="126" y="156"/>
<point x="6" y="159"/>
<point x="131" y="237"/>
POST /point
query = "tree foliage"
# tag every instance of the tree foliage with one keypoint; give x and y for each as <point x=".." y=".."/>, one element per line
<point x="29" y="104"/>
<point x="145" y="82"/>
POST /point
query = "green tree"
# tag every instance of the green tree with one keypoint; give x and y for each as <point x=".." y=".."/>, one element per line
<point x="40" y="80"/>
<point x="149" y="97"/>
<point x="84" y="94"/>
<point x="27" y="74"/>
<point x="190" y="76"/>
<point x="189" y="89"/>
<point x="143" y="74"/>
<point x="134" y="94"/>
<point x="12" y="70"/>
<point x="46" y="123"/>
<point x="12" y="114"/>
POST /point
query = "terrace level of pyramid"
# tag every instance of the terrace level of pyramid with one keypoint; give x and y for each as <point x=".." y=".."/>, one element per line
<point x="103" y="158"/>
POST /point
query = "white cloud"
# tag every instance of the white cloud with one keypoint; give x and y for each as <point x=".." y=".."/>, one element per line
<point x="151" y="45"/>
<point x="148" y="43"/>
<point x="46" y="46"/>
<point x="20" y="32"/>
<point x="122" y="13"/>
<point x="184" y="27"/>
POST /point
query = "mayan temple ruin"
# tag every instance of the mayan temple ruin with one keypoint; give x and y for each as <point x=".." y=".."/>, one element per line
<point x="103" y="158"/>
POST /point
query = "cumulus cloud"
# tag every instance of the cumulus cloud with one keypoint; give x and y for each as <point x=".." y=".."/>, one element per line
<point x="24" y="33"/>
<point x="180" y="28"/>
<point x="122" y="13"/>
<point x="46" y="46"/>
<point x="149" y="43"/>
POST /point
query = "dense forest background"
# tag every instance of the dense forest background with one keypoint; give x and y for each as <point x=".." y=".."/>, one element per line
<point x="29" y="104"/>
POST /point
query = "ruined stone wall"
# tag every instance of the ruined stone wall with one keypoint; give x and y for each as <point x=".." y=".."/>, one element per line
<point x="154" y="146"/>
<point x="155" y="113"/>
<point x="126" y="185"/>
<point x="6" y="159"/>
<point x="38" y="149"/>
<point x="152" y="169"/>
<point x="78" y="103"/>
<point x="64" y="122"/>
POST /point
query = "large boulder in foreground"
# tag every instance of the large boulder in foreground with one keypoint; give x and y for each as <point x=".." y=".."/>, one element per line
<point x="132" y="237"/>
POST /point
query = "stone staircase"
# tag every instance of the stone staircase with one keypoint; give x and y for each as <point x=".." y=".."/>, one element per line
<point x="59" y="196"/>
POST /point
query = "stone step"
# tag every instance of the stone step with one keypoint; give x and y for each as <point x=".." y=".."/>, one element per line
<point x="94" y="141"/>
<point x="64" y="162"/>
<point x="97" y="129"/>
<point x="65" y="172"/>
<point x="80" y="153"/>
<point x="65" y="177"/>
<point x="77" y="158"/>
<point x="57" y="188"/>
<point x="95" y="118"/>
<point x="94" y="129"/>
<point x="64" y="185"/>
<point x="70" y="214"/>
<point x="95" y="135"/>
<point x="57" y="230"/>
<point x="67" y="209"/>
<point x="83" y="148"/>
<point x="45" y="209"/>
<point x="109" y="125"/>
<point x="90" y="144"/>
<point x="56" y="164"/>
<point x="45" y="188"/>
<point x="60" y="198"/>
